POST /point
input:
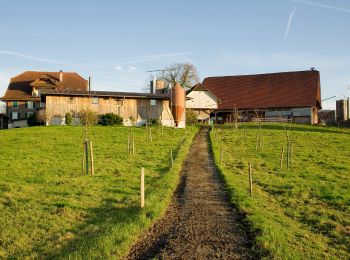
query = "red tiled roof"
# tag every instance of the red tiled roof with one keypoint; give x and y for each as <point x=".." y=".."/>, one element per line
<point x="20" y="86"/>
<point x="274" y="90"/>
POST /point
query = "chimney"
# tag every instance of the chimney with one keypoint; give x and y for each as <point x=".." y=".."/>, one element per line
<point x="61" y="76"/>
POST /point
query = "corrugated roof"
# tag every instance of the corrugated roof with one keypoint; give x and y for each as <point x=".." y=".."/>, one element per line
<point x="274" y="90"/>
<point x="20" y="88"/>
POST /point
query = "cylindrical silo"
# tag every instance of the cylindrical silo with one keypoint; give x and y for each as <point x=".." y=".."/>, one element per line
<point x="177" y="103"/>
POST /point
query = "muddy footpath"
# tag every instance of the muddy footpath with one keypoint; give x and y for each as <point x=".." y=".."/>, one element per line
<point x="200" y="223"/>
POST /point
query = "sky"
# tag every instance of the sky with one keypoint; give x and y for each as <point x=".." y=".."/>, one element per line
<point x="117" y="42"/>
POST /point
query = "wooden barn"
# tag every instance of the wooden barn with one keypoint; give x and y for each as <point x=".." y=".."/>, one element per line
<point x="134" y="108"/>
<point x="201" y="101"/>
<point x="295" y="96"/>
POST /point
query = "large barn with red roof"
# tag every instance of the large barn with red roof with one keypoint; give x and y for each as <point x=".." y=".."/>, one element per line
<point x="293" y="95"/>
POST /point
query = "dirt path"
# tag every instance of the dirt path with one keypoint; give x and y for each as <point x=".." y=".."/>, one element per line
<point x="200" y="223"/>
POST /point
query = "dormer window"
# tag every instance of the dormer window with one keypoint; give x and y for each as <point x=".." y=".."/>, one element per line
<point x="35" y="92"/>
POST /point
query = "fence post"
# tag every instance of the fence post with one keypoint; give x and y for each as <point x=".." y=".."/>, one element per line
<point x="288" y="153"/>
<point x="291" y="155"/>
<point x="83" y="160"/>
<point x="282" y="153"/>
<point x="250" y="180"/>
<point x="171" y="158"/>
<point x="133" y="144"/>
<point x="86" y="156"/>
<point x="142" y="188"/>
<point x="128" y="143"/>
<point x="92" y="159"/>
<point x="221" y="155"/>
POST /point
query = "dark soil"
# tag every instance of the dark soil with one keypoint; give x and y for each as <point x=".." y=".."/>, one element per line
<point x="200" y="223"/>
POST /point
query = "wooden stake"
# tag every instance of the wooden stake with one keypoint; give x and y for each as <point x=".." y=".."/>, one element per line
<point x="291" y="155"/>
<point x="260" y="144"/>
<point x="221" y="155"/>
<point x="250" y="180"/>
<point x="282" y="153"/>
<point x="150" y="134"/>
<point x="256" y="142"/>
<point x="133" y="144"/>
<point x="171" y="158"/>
<point x="128" y="143"/>
<point x="92" y="159"/>
<point x="83" y="160"/>
<point x="142" y="188"/>
<point x="86" y="157"/>
<point x="288" y="154"/>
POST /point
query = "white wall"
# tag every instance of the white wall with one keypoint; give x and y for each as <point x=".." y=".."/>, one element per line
<point x="201" y="100"/>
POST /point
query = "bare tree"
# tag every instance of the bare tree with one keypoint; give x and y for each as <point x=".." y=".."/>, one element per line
<point x="183" y="73"/>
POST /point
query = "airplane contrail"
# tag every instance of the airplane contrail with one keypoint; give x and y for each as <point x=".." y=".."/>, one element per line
<point x="290" y="20"/>
<point x="29" y="57"/>
<point x="331" y="7"/>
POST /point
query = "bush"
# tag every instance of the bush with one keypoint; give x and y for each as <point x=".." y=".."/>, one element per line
<point x="191" y="117"/>
<point x="88" y="117"/>
<point x="35" y="119"/>
<point x="69" y="118"/>
<point x="111" y="119"/>
<point x="153" y="122"/>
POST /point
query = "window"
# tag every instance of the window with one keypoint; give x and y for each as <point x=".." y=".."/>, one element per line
<point x="94" y="100"/>
<point x="28" y="114"/>
<point x="42" y="104"/>
<point x="153" y="102"/>
<point x="14" y="104"/>
<point x="29" y="104"/>
<point x="14" y="115"/>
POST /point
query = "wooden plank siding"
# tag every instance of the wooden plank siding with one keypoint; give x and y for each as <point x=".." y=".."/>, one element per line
<point x="140" y="109"/>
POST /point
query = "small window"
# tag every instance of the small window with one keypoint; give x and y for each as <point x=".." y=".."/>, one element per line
<point x="94" y="100"/>
<point x="14" y="115"/>
<point x="153" y="102"/>
<point x="42" y="104"/>
<point x="29" y="104"/>
<point x="14" y="104"/>
<point x="29" y="114"/>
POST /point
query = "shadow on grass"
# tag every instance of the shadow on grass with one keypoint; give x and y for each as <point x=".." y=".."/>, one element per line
<point x="230" y="193"/>
<point x="101" y="222"/>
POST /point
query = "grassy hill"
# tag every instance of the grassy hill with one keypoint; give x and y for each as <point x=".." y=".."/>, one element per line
<point x="300" y="212"/>
<point x="48" y="208"/>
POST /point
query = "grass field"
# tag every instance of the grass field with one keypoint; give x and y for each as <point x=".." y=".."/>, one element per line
<point x="298" y="213"/>
<point x="48" y="208"/>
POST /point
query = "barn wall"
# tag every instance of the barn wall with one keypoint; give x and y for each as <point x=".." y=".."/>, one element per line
<point x="201" y="100"/>
<point x="129" y="109"/>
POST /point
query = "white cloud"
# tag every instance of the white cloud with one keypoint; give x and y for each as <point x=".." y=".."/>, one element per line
<point x="29" y="57"/>
<point x="331" y="7"/>
<point x="118" y="68"/>
<point x="131" y="68"/>
<point x="290" y="20"/>
<point x="135" y="60"/>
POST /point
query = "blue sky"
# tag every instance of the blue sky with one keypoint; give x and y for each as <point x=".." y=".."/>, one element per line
<point x="117" y="42"/>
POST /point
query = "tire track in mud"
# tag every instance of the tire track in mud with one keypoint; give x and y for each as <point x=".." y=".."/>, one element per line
<point x="200" y="223"/>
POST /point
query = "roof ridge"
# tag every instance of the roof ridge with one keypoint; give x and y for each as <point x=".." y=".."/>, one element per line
<point x="260" y="74"/>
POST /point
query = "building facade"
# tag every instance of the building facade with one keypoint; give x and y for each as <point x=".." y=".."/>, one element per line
<point x="295" y="96"/>
<point x="22" y="96"/>
<point x="202" y="102"/>
<point x="134" y="108"/>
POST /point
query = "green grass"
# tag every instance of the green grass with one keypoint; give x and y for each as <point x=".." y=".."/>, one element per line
<point x="297" y="213"/>
<point x="48" y="208"/>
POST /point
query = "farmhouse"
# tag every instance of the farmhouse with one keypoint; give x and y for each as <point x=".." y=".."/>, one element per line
<point x="134" y="108"/>
<point x="289" y="95"/>
<point x="23" y="93"/>
<point x="202" y="102"/>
